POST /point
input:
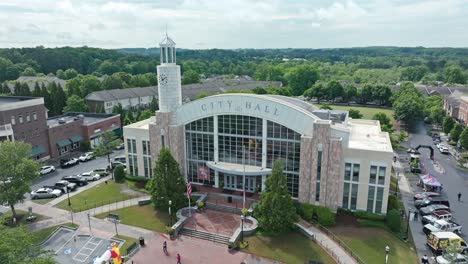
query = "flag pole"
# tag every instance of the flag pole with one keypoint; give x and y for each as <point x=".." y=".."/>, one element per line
<point x="189" y="209"/>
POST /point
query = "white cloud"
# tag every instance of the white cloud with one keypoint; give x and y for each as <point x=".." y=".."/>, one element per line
<point x="233" y="24"/>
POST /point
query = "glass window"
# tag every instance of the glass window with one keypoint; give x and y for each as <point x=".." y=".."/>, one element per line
<point x="356" y="172"/>
<point x="319" y="165"/>
<point x="134" y="146"/>
<point x="382" y="175"/>
<point x="34" y="116"/>
<point x="373" y="174"/>
<point x="28" y="118"/>
<point x="346" y="195"/>
<point x="129" y="145"/>
<point x="378" y="200"/>
<point x="145" y="147"/>
<point x="347" y="176"/>
<point x="370" y="199"/>
<point x="13" y="120"/>
<point x="317" y="191"/>
<point x="20" y="117"/>
<point x="354" y="194"/>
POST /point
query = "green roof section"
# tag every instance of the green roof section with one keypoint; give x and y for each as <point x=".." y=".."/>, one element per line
<point x="63" y="143"/>
<point x="37" y="150"/>
<point x="76" y="139"/>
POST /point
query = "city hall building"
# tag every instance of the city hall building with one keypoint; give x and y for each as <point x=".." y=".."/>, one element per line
<point x="328" y="158"/>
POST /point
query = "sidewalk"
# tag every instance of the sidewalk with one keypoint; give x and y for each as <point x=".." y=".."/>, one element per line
<point x="332" y="248"/>
<point x="406" y="193"/>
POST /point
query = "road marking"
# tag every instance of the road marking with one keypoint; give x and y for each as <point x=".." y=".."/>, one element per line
<point x="85" y="248"/>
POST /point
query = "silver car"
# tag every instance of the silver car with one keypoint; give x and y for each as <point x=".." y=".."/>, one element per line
<point x="90" y="176"/>
<point x="45" y="193"/>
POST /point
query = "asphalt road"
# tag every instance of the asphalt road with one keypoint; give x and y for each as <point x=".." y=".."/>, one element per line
<point x="52" y="178"/>
<point x="453" y="179"/>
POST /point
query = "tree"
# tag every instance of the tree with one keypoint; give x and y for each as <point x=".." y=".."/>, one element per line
<point x="454" y="74"/>
<point x="190" y="77"/>
<point x="167" y="184"/>
<point x="381" y="93"/>
<point x="146" y="114"/>
<point x="89" y="84"/>
<point x="326" y="107"/>
<point x="75" y="104"/>
<point x="464" y="139"/>
<point x="276" y="211"/>
<point x="413" y="74"/>
<point x="4" y="65"/>
<point x="366" y="93"/>
<point x="29" y="72"/>
<point x="107" y="143"/>
<point x="70" y="73"/>
<point x="301" y="78"/>
<point x="18" y="246"/>
<point x="259" y="90"/>
<point x="139" y="80"/>
<point x="107" y="67"/>
<point x="335" y="89"/>
<point x="60" y="74"/>
<point x="355" y="114"/>
<point x="118" y="109"/>
<point x="112" y="82"/>
<point x="384" y="120"/>
<point x="456" y="132"/>
<point x="119" y="173"/>
<point x="316" y="91"/>
<point x="409" y="108"/>
<point x="393" y="220"/>
<point x="350" y="91"/>
<point x="17" y="174"/>
<point x="392" y="203"/>
<point x="154" y="105"/>
<point x="37" y="90"/>
<point x="448" y="124"/>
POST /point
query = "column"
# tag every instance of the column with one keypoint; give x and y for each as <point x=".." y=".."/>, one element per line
<point x="264" y="145"/>
<point x="216" y="185"/>
<point x="215" y="138"/>
<point x="263" y="182"/>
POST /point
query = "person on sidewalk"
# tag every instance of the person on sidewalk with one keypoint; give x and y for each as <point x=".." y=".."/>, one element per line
<point x="178" y="259"/>
<point x="459" y="196"/>
<point x="424" y="259"/>
<point x="165" y="247"/>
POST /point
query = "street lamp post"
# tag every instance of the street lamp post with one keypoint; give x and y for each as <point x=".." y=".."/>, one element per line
<point x="68" y="194"/>
<point x="170" y="215"/>
<point x="387" y="250"/>
<point x="407" y="223"/>
<point x="242" y="228"/>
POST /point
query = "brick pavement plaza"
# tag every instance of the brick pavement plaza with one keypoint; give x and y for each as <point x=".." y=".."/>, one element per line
<point x="215" y="222"/>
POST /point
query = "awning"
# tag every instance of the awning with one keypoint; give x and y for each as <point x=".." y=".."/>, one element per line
<point x="238" y="169"/>
<point x="37" y="150"/>
<point x="76" y="139"/>
<point x="63" y="143"/>
<point x="429" y="180"/>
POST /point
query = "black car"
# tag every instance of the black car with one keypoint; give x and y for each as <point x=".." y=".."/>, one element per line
<point x="430" y="201"/>
<point x="75" y="179"/>
<point x="431" y="208"/>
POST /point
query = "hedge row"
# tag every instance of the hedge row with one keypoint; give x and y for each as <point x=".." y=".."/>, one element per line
<point x="323" y="215"/>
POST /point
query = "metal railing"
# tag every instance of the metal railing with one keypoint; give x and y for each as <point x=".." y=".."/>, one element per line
<point x="342" y="244"/>
<point x="107" y="205"/>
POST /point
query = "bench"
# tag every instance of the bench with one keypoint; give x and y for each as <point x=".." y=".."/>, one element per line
<point x="144" y="202"/>
<point x="132" y="249"/>
<point x="113" y="217"/>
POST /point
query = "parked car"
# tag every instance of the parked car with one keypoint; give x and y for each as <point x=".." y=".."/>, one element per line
<point x="436" y="141"/>
<point x="432" y="208"/>
<point x="90" y="176"/>
<point x="436" y="215"/>
<point x="423" y="195"/>
<point x="444" y="150"/>
<point x="459" y="259"/>
<point x="438" y="241"/>
<point x="86" y="157"/>
<point x="436" y="136"/>
<point x="120" y="146"/>
<point x="76" y="179"/>
<point x="42" y="193"/>
<point x="65" y="186"/>
<point x="46" y="169"/>
<point x="120" y="159"/>
<point x="101" y="172"/>
<point x="66" y="163"/>
<point x="428" y="201"/>
<point x="116" y="163"/>
<point x="442" y="226"/>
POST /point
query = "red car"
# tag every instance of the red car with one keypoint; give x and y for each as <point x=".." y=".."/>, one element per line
<point x="423" y="195"/>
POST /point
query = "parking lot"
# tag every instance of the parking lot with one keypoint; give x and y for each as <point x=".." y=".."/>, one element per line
<point x="71" y="247"/>
<point x="51" y="178"/>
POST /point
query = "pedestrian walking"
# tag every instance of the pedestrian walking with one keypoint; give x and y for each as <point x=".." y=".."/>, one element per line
<point x="178" y="259"/>
<point x="424" y="259"/>
<point x="459" y="196"/>
<point x="165" y="247"/>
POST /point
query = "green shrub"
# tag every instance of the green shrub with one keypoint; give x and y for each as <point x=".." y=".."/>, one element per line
<point x="393" y="220"/>
<point x="368" y="216"/>
<point x="324" y="215"/>
<point x="245" y="211"/>
<point x="200" y="204"/>
<point x="136" y="178"/>
<point x="119" y="173"/>
<point x="169" y="230"/>
<point x="85" y="145"/>
<point x="392" y="203"/>
<point x="307" y="211"/>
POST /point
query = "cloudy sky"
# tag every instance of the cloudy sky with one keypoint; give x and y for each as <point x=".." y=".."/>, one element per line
<point x="201" y="24"/>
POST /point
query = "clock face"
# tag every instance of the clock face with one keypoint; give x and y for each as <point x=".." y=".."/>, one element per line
<point x="162" y="78"/>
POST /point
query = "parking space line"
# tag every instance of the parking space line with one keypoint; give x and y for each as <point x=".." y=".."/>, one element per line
<point x="60" y="248"/>
<point x="86" y="248"/>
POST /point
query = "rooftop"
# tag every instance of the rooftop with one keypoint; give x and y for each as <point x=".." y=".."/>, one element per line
<point x="143" y="124"/>
<point x="366" y="134"/>
<point x="88" y="118"/>
<point x="14" y="99"/>
<point x="14" y="102"/>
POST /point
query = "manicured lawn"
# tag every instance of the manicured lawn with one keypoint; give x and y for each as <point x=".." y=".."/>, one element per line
<point x="21" y="217"/>
<point x="41" y="235"/>
<point x="42" y="201"/>
<point x="288" y="248"/>
<point x="142" y="216"/>
<point x="136" y="186"/>
<point x="367" y="112"/>
<point x="96" y="196"/>
<point x="128" y="242"/>
<point x="369" y="244"/>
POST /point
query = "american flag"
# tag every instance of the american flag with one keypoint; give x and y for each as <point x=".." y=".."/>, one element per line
<point x="189" y="190"/>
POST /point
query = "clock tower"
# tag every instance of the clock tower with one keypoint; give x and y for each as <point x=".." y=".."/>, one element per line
<point x="169" y="83"/>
